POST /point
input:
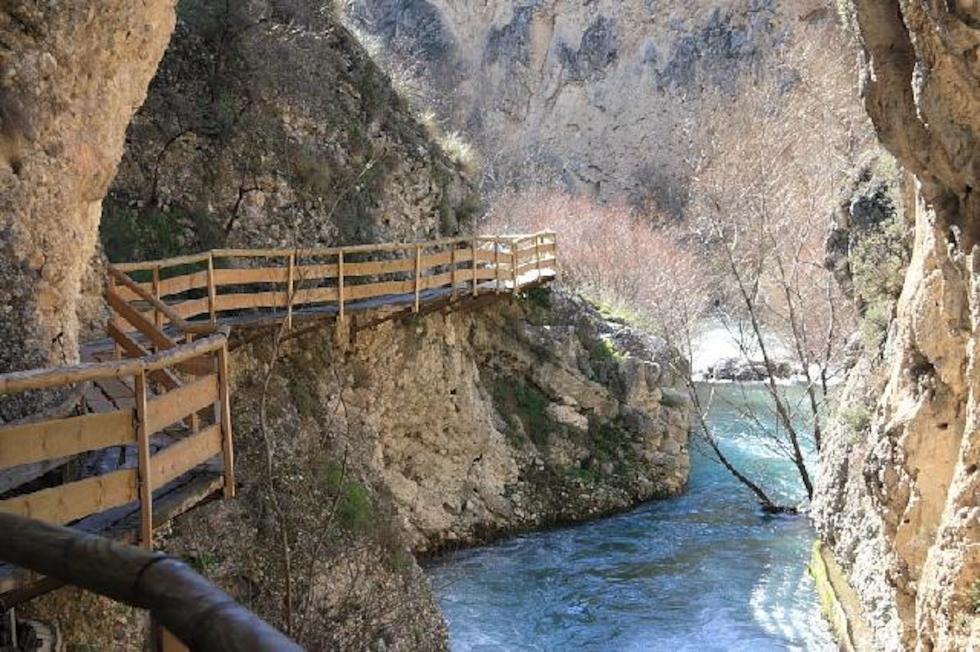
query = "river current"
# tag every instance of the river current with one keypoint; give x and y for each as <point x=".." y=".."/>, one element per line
<point x="703" y="571"/>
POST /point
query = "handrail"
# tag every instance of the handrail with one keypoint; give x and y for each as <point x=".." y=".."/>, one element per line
<point x="198" y="613"/>
<point x="21" y="381"/>
<point x="159" y="304"/>
<point x="315" y="251"/>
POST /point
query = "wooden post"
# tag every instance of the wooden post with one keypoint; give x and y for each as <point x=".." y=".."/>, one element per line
<point x="418" y="274"/>
<point x="475" y="282"/>
<point x="513" y="263"/>
<point x="111" y="289"/>
<point x="289" y="292"/>
<point x="227" y="448"/>
<point x="211" y="289"/>
<point x="340" y="284"/>
<point x="143" y="468"/>
<point x="537" y="255"/>
<point x="157" y="315"/>
<point x="496" y="263"/>
<point x="453" y="264"/>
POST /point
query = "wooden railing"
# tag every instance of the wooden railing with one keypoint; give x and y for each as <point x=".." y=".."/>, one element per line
<point x="194" y="293"/>
<point x="169" y="325"/>
<point x="160" y="400"/>
<point x="200" y="615"/>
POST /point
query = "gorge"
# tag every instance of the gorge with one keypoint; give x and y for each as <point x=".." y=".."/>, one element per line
<point x="141" y="131"/>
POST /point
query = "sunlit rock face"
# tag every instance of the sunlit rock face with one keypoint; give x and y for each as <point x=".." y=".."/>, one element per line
<point x="71" y="76"/>
<point x="899" y="502"/>
<point x="601" y="97"/>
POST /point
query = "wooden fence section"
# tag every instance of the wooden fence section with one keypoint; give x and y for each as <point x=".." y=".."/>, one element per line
<point x="194" y="293"/>
<point x="161" y="400"/>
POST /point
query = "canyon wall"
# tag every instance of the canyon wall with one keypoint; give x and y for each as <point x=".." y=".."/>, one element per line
<point x="424" y="434"/>
<point x="615" y="99"/>
<point x="71" y="77"/>
<point x="899" y="493"/>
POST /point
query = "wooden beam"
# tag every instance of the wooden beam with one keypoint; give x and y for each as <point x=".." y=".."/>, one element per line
<point x="340" y="284"/>
<point x="178" y="458"/>
<point x="291" y="262"/>
<point x="202" y="616"/>
<point x="46" y="440"/>
<point x="167" y="409"/>
<point x="211" y="290"/>
<point x="474" y="265"/>
<point x="418" y="274"/>
<point x="227" y="441"/>
<point x="75" y="500"/>
<point x="144" y="471"/>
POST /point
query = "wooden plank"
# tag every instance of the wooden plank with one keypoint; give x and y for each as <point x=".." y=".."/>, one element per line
<point x="183" y="283"/>
<point x="167" y="262"/>
<point x="179" y="458"/>
<point x="192" y="308"/>
<point x="243" y="300"/>
<point x="35" y="442"/>
<point x="143" y="471"/>
<point x="252" y="275"/>
<point x="172" y="407"/>
<point x="141" y="323"/>
<point x="437" y="280"/>
<point x="369" y="290"/>
<point x="133" y="349"/>
<point x="75" y="500"/>
<point x="318" y="295"/>
<point x="380" y="267"/>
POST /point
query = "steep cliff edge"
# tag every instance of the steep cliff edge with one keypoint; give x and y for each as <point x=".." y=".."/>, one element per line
<point x="71" y="76"/>
<point x="610" y="98"/>
<point x="422" y="434"/>
<point x="898" y="496"/>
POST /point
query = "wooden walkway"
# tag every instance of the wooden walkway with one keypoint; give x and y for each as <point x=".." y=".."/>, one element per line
<point x="144" y="429"/>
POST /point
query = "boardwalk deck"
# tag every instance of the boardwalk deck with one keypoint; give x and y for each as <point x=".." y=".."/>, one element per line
<point x="175" y="436"/>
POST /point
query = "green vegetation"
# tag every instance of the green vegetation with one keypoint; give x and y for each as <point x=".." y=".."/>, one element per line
<point x="856" y="417"/>
<point x="878" y="262"/>
<point x="605" y="351"/>
<point x="973" y="597"/>
<point x="203" y="563"/>
<point x="537" y="296"/>
<point x="528" y="403"/>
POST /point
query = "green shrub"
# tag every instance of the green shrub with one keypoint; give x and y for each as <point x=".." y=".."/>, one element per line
<point x="605" y="351"/>
<point x="356" y="509"/>
<point x="856" y="417"/>
<point x="527" y="402"/>
<point x="973" y="597"/>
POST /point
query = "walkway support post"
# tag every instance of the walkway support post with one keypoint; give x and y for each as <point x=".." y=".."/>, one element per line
<point x="212" y="299"/>
<point x="513" y="263"/>
<point x="143" y="467"/>
<point x="157" y="315"/>
<point x="110" y="285"/>
<point x="496" y="262"/>
<point x="537" y="254"/>
<point x="418" y="275"/>
<point x="289" y="291"/>
<point x="475" y="280"/>
<point x="340" y="284"/>
<point x="454" y="247"/>
<point x="224" y="396"/>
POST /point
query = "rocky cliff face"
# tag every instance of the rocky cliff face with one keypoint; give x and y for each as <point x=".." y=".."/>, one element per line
<point x="71" y="77"/>
<point x="428" y="433"/>
<point x="610" y="98"/>
<point x="268" y="125"/>
<point x="899" y="496"/>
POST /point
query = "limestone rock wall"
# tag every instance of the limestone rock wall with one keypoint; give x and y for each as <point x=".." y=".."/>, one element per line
<point x="900" y="501"/>
<point x="268" y="125"/>
<point x="71" y="76"/>
<point x="610" y="98"/>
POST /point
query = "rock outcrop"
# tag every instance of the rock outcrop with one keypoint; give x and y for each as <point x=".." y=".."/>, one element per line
<point x="608" y="98"/>
<point x="71" y="77"/>
<point x="899" y="492"/>
<point x="427" y="433"/>
<point x="268" y="125"/>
